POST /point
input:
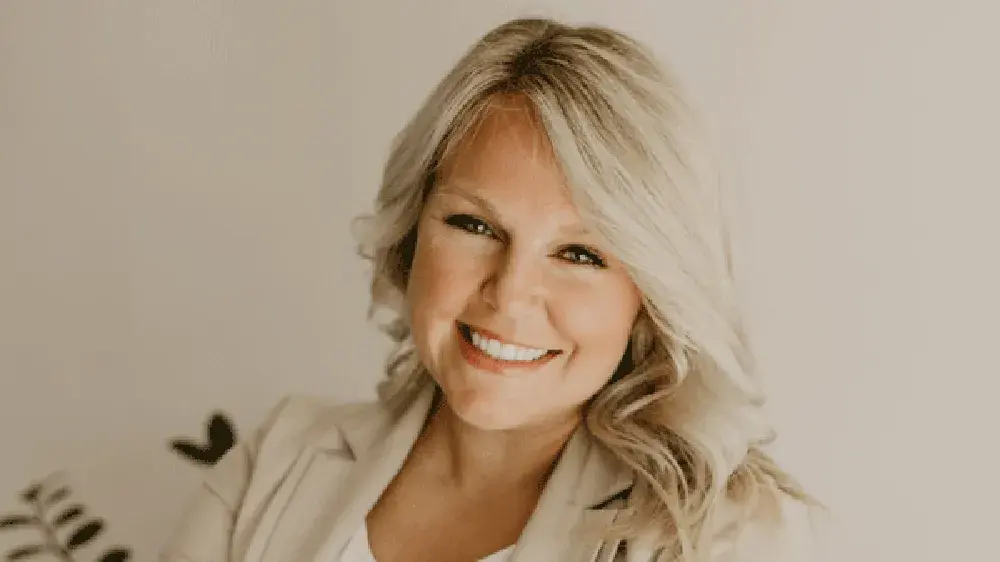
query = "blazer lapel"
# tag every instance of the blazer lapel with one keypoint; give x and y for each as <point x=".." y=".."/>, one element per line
<point x="574" y="505"/>
<point x="347" y="463"/>
<point x="343" y="472"/>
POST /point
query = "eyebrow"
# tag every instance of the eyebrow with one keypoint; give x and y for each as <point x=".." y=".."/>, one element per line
<point x="458" y="190"/>
<point x="453" y="188"/>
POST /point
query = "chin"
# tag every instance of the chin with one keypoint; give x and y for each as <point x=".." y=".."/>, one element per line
<point x="485" y="413"/>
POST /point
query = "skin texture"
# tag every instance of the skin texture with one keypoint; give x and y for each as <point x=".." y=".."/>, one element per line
<point x="500" y="246"/>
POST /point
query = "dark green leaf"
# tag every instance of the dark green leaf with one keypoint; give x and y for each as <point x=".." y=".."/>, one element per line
<point x="31" y="494"/>
<point x="84" y="534"/>
<point x="25" y="552"/>
<point x="57" y="496"/>
<point x="16" y="521"/>
<point x="120" y="554"/>
<point x="71" y="513"/>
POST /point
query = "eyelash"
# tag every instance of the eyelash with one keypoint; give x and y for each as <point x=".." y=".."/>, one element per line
<point x="468" y="223"/>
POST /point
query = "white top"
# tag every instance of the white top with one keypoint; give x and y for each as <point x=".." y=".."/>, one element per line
<point x="358" y="549"/>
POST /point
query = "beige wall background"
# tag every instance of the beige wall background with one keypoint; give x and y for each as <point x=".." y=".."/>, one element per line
<point x="176" y="180"/>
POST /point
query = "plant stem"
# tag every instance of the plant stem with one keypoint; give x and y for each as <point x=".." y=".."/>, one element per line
<point x="51" y="540"/>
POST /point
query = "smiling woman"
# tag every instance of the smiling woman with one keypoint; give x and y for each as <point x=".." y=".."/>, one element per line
<point x="572" y="381"/>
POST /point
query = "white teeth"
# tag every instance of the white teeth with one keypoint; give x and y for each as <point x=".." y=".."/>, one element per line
<point x="505" y="352"/>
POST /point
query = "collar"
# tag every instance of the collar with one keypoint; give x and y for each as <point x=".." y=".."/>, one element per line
<point x="590" y="475"/>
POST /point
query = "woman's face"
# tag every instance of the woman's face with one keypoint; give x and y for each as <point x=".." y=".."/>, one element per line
<point x="518" y="312"/>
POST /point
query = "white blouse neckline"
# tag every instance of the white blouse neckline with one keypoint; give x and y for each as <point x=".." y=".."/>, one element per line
<point x="359" y="550"/>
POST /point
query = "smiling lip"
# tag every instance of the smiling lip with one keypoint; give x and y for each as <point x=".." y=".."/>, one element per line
<point x="478" y="359"/>
<point x="495" y="336"/>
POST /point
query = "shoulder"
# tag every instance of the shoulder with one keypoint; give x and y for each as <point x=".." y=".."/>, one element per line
<point x="292" y="425"/>
<point x="297" y="420"/>
<point x="790" y="534"/>
<point x="297" y="412"/>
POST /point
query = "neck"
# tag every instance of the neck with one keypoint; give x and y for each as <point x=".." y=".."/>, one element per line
<point x="472" y="459"/>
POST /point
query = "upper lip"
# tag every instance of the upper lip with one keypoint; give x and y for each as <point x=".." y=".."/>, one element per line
<point x="495" y="336"/>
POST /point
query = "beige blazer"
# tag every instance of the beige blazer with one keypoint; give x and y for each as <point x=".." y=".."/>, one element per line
<point x="304" y="482"/>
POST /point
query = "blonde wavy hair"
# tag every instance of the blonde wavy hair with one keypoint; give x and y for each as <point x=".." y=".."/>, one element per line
<point x="683" y="408"/>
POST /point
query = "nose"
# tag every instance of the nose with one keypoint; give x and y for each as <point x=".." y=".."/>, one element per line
<point x="515" y="286"/>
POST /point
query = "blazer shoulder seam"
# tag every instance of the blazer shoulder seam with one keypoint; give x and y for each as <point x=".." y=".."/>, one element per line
<point x="300" y="417"/>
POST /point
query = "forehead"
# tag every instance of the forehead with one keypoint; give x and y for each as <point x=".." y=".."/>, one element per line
<point x="506" y="156"/>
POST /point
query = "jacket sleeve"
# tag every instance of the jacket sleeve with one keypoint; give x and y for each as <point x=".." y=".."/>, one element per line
<point x="205" y="530"/>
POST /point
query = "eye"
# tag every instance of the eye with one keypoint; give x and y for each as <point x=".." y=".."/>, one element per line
<point x="581" y="255"/>
<point x="469" y="224"/>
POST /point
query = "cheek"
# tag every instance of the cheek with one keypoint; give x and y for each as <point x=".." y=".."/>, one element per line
<point x="442" y="278"/>
<point x="599" y="321"/>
